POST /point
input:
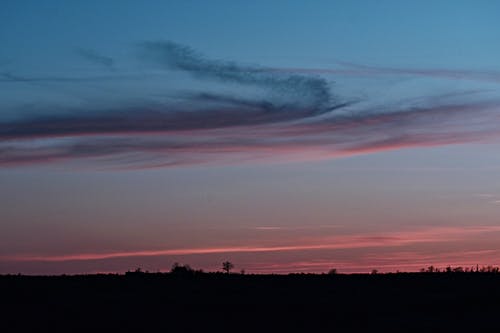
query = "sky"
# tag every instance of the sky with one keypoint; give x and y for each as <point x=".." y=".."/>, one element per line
<point x="283" y="136"/>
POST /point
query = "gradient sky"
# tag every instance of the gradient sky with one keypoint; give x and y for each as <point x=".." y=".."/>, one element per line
<point x="284" y="136"/>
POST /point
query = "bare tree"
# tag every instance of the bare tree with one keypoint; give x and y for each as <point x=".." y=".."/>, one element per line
<point x="227" y="266"/>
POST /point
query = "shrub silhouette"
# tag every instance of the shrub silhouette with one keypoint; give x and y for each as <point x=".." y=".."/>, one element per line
<point x="138" y="271"/>
<point x="181" y="270"/>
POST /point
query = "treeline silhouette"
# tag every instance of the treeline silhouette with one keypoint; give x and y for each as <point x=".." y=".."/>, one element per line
<point x="184" y="299"/>
<point x="460" y="269"/>
<point x="186" y="270"/>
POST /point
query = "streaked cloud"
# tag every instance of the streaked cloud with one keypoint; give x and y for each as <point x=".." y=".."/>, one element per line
<point x="405" y="261"/>
<point x="352" y="69"/>
<point x="429" y="235"/>
<point x="293" y="114"/>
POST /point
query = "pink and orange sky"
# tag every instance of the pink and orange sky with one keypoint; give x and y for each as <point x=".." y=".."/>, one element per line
<point x="283" y="137"/>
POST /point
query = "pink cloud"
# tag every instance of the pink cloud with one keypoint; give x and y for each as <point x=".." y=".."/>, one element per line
<point x="342" y="242"/>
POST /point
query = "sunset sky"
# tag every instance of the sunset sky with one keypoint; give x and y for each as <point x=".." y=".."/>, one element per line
<point x="283" y="136"/>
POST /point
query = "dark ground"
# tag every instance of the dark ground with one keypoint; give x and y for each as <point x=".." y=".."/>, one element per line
<point x="426" y="302"/>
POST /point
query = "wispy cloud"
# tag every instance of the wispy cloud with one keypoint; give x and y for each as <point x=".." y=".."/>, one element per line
<point x="457" y="74"/>
<point x="401" y="260"/>
<point x="288" y="89"/>
<point x="195" y="137"/>
<point x="297" y="114"/>
<point x="429" y="235"/>
<point x="352" y="69"/>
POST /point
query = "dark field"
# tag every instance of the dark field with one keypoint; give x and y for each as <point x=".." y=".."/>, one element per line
<point x="426" y="302"/>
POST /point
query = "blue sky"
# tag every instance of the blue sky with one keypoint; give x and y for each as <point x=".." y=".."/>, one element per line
<point x="123" y="124"/>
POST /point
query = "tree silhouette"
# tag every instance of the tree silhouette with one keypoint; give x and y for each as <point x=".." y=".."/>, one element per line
<point x="227" y="266"/>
